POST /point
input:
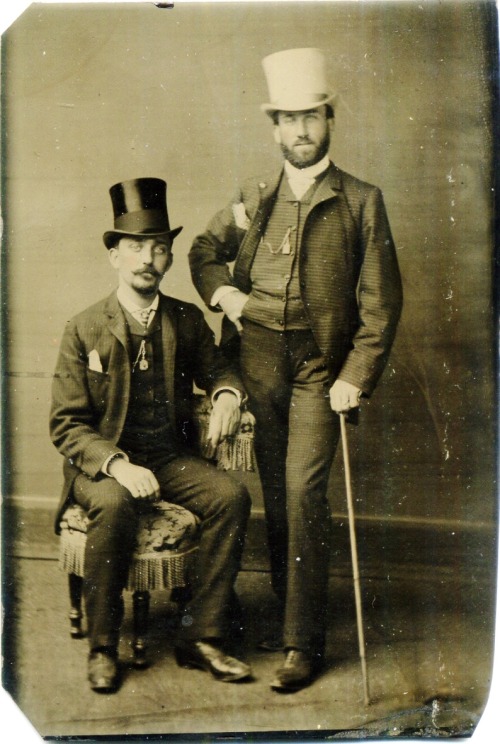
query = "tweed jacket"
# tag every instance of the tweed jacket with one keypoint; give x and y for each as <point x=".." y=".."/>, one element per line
<point x="348" y="270"/>
<point x="89" y="406"/>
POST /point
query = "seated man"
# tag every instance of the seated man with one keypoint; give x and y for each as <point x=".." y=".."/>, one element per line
<point x="121" y="404"/>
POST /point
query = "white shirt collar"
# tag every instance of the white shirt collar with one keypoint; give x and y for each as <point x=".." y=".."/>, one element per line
<point x="132" y="307"/>
<point x="311" y="172"/>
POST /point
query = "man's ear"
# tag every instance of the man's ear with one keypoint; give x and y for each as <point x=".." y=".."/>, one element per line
<point x="170" y="262"/>
<point x="113" y="257"/>
<point x="277" y="134"/>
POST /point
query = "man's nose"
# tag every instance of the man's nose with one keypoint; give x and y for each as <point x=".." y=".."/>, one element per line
<point x="301" y="128"/>
<point x="147" y="254"/>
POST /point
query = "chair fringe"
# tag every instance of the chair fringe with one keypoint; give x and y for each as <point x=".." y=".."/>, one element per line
<point x="72" y="551"/>
<point x="151" y="572"/>
<point x="148" y="572"/>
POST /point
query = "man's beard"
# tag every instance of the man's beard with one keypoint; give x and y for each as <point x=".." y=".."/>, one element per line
<point x="321" y="151"/>
<point x="147" y="291"/>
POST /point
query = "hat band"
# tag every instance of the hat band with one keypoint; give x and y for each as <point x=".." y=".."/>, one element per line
<point x="144" y="220"/>
<point x="298" y="103"/>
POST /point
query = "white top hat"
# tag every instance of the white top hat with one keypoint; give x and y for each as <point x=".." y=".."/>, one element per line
<point x="296" y="79"/>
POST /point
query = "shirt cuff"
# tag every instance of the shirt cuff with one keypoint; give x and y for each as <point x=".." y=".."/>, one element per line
<point x="236" y="392"/>
<point x="221" y="292"/>
<point x="107" y="462"/>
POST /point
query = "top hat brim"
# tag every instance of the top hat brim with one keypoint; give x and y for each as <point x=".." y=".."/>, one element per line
<point x="300" y="104"/>
<point x="111" y="236"/>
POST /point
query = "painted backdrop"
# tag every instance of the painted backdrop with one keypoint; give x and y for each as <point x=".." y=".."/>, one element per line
<point x="98" y="93"/>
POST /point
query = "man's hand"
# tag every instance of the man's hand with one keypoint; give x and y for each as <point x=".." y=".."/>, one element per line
<point x="224" y="421"/>
<point x="232" y="304"/>
<point x="344" y="396"/>
<point x="140" y="481"/>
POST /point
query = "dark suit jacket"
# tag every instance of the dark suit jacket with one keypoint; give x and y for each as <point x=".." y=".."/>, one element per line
<point x="348" y="271"/>
<point x="89" y="407"/>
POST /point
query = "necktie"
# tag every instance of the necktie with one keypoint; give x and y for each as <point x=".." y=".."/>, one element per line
<point x="144" y="316"/>
<point x="141" y="356"/>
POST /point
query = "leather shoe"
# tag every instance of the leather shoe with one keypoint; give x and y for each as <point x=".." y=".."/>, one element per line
<point x="297" y="672"/>
<point x="204" y="655"/>
<point x="103" y="671"/>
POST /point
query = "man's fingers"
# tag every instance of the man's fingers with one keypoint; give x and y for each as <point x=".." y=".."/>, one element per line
<point x="222" y="426"/>
<point x="209" y="450"/>
<point x="342" y="406"/>
<point x="344" y="397"/>
<point x="214" y="429"/>
<point x="146" y="488"/>
<point x="226" y="426"/>
<point x="154" y="487"/>
<point x="224" y="421"/>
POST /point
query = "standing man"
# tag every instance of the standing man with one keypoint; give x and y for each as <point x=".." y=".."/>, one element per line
<point x="121" y="399"/>
<point x="311" y="308"/>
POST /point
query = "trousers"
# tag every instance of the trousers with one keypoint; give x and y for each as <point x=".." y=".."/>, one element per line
<point x="296" y="435"/>
<point x="223" y="506"/>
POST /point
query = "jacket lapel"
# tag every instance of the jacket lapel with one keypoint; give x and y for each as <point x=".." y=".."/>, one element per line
<point x="117" y="325"/>
<point x="169" y="342"/>
<point x="119" y="365"/>
<point x="328" y="187"/>
<point x="268" y="189"/>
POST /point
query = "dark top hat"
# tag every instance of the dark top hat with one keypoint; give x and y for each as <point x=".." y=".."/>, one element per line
<point x="140" y="208"/>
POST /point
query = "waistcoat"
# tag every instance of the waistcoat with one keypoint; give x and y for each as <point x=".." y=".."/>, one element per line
<point x="148" y="436"/>
<point x="275" y="300"/>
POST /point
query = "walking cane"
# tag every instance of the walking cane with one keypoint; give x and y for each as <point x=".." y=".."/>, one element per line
<point x="354" y="556"/>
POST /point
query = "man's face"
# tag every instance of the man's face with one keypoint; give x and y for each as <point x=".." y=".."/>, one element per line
<point x="304" y="136"/>
<point x="141" y="262"/>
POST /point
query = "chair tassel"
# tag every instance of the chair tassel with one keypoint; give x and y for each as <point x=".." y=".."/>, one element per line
<point x="72" y="552"/>
<point x="236" y="453"/>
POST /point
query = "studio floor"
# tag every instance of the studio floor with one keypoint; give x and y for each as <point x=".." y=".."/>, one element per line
<point x="428" y="651"/>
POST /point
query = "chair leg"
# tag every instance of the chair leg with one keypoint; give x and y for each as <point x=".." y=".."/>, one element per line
<point x="140" y="601"/>
<point x="75" y="613"/>
<point x="181" y="595"/>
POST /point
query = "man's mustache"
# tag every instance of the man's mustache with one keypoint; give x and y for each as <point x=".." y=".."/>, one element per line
<point x="148" y="271"/>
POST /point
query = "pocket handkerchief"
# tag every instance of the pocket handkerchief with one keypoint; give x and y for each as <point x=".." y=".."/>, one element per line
<point x="95" y="361"/>
<point x="240" y="216"/>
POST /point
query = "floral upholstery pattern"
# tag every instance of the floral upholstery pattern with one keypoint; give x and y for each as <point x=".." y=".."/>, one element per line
<point x="163" y="527"/>
<point x="166" y="536"/>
